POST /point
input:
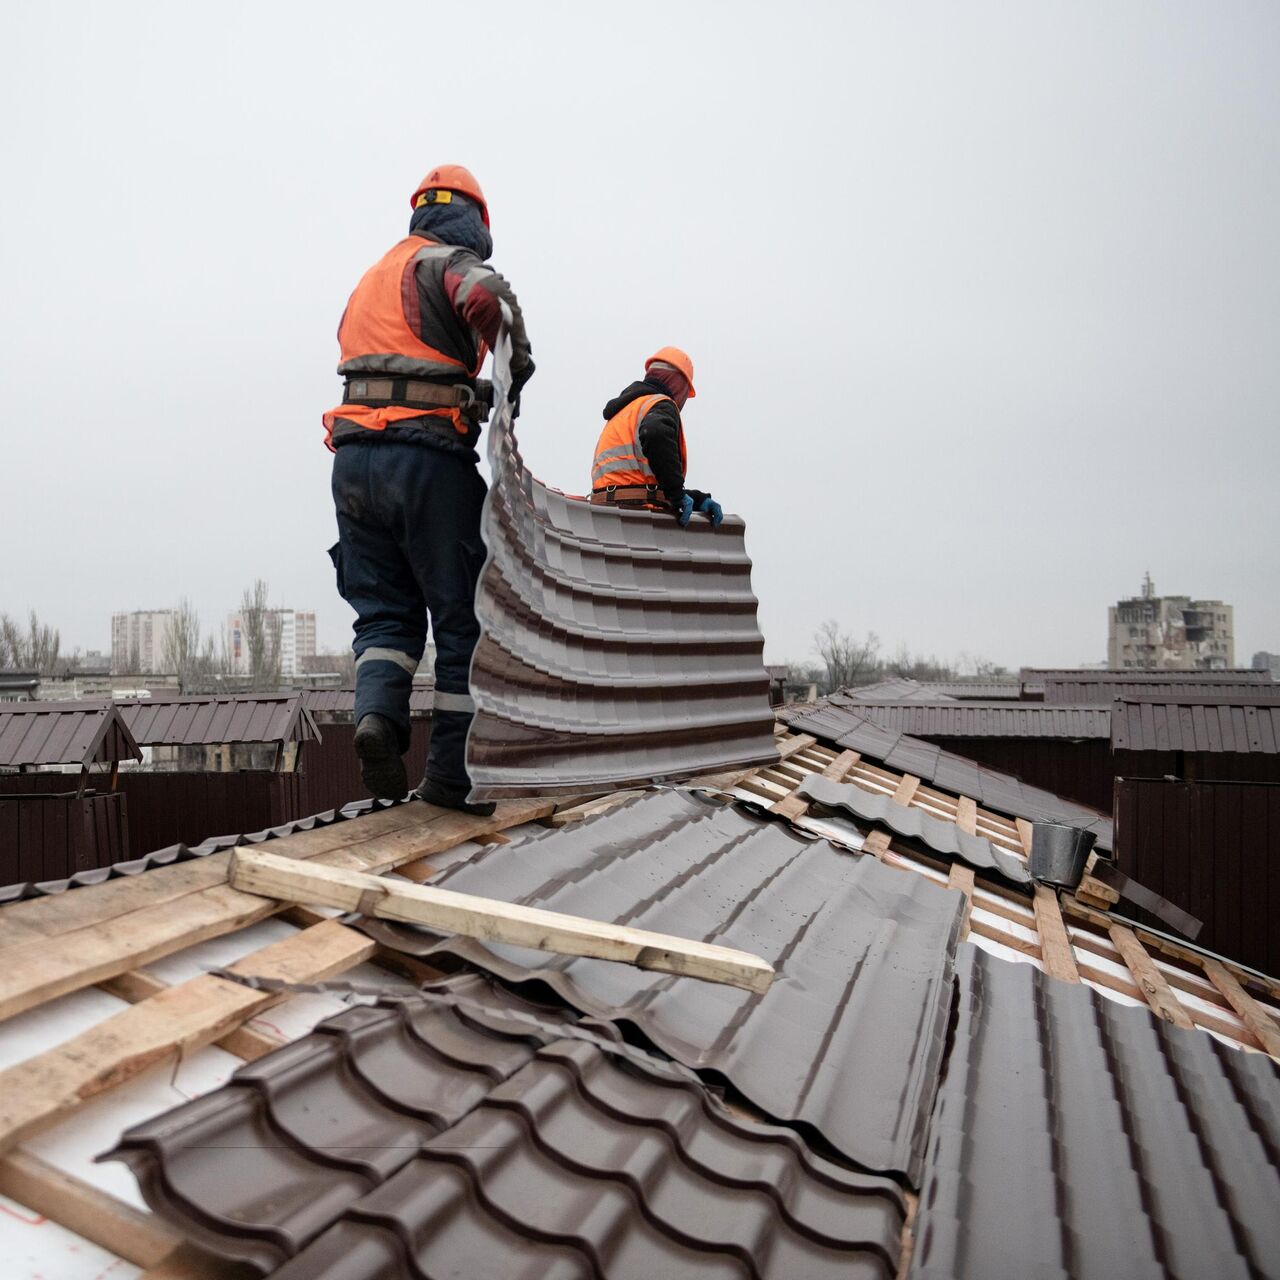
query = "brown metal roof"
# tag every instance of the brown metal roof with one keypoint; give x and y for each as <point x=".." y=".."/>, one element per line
<point x="467" y="1133"/>
<point x="210" y="721"/>
<point x="845" y="1042"/>
<point x="343" y="701"/>
<point x="905" y="689"/>
<point x="1099" y="692"/>
<point x="1073" y="1136"/>
<point x="1034" y="679"/>
<point x="844" y="723"/>
<point x="616" y="647"/>
<point x="953" y="719"/>
<point x="1236" y="725"/>
<point x="49" y="733"/>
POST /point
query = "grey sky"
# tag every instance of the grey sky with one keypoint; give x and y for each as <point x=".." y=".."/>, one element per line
<point x="984" y="299"/>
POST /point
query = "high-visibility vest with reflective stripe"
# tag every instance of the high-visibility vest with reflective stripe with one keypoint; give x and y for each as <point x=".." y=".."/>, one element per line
<point x="376" y="336"/>
<point x="619" y="458"/>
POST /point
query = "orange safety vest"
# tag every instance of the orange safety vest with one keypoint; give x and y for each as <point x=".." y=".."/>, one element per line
<point x="376" y="337"/>
<point x="619" y="458"/>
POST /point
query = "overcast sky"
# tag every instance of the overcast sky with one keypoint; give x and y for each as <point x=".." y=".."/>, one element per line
<point x="984" y="299"/>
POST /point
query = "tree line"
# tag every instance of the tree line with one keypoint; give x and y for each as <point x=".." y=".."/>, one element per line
<point x="845" y="659"/>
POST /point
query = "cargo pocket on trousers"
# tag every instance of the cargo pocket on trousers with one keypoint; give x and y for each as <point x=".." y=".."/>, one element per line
<point x="335" y="554"/>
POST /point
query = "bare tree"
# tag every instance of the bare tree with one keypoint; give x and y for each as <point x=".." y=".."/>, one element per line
<point x="846" y="658"/>
<point x="36" y="650"/>
<point x="195" y="661"/>
<point x="262" y="627"/>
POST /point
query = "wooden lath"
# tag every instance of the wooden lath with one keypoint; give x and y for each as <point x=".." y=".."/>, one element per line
<point x="1037" y="926"/>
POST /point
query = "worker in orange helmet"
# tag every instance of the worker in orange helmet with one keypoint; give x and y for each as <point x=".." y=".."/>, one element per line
<point x="405" y="483"/>
<point x="641" y="458"/>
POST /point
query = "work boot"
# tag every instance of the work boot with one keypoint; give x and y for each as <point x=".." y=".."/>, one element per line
<point x="381" y="764"/>
<point x="449" y="796"/>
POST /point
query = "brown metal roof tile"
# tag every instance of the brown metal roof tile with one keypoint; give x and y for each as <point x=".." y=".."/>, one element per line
<point x="50" y="733"/>
<point x="848" y="1037"/>
<point x="1238" y="723"/>
<point x="471" y="1134"/>
<point x="1074" y="1136"/>
<point x="211" y="721"/>
<point x="615" y="648"/>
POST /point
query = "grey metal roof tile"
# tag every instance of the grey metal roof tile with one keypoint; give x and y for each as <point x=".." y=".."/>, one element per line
<point x="468" y="1133"/>
<point x="50" y="733"/>
<point x="615" y="646"/>
<point x="210" y="721"/>
<point x="1076" y="1137"/>
<point x="941" y="836"/>
<point x="847" y="1039"/>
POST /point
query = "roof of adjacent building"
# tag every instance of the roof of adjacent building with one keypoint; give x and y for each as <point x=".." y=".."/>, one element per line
<point x="1034" y="679"/>
<point x="1217" y="723"/>
<point x="906" y="689"/>
<point x="490" y="1136"/>
<point x="63" y="733"/>
<point x="212" y="721"/>
<point x="954" y="719"/>
<point x="1066" y="692"/>
<point x="615" y="648"/>
<point x="343" y="701"/>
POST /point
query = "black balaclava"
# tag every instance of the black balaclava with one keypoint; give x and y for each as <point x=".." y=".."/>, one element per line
<point x="458" y="222"/>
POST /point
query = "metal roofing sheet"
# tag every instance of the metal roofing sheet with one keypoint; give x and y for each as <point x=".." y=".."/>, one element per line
<point x="952" y="719"/>
<point x="1234" y="725"/>
<point x="48" y="733"/>
<point x="470" y="1134"/>
<point x="905" y="689"/>
<point x="844" y="723"/>
<point x="847" y="1039"/>
<point x="1076" y="1137"/>
<point x="1034" y="679"/>
<point x="210" y="721"/>
<point x="615" y="648"/>
<point x="1099" y="692"/>
<point x="941" y="836"/>
<point x="341" y="701"/>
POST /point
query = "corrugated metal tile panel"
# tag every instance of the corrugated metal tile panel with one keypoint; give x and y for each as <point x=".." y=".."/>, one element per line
<point x="954" y="719"/>
<point x="1076" y="1137"/>
<point x="941" y="836"/>
<point x="48" y="733"/>
<point x="844" y="723"/>
<point x="905" y="689"/>
<point x="616" y="647"/>
<point x="1034" y="679"/>
<point x="468" y="1134"/>
<point x="1231" y="725"/>
<point x="185" y="853"/>
<point x="1073" y="692"/>
<point x="847" y="1039"/>
<point x="210" y="721"/>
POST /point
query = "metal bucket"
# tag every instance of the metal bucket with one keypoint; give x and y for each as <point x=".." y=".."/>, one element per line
<point x="1059" y="853"/>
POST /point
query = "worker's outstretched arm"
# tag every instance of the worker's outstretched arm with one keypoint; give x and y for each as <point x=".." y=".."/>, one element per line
<point x="476" y="292"/>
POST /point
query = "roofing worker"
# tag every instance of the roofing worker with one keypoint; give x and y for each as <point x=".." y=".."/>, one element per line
<point x="405" y="484"/>
<point x="641" y="459"/>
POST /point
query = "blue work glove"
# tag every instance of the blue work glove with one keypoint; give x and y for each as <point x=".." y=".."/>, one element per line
<point x="711" y="509"/>
<point x="685" y="514"/>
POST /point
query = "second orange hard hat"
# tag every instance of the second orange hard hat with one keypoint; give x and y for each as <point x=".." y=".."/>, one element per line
<point x="452" y="177"/>
<point x="677" y="359"/>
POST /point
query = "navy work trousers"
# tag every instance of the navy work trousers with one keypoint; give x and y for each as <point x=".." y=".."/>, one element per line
<point x="409" y="546"/>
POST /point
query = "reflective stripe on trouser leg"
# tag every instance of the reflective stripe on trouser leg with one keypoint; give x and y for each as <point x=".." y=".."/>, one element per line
<point x="453" y="702"/>
<point x="405" y="660"/>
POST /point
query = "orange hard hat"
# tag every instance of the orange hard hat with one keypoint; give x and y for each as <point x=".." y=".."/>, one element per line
<point x="678" y="360"/>
<point x="451" y="177"/>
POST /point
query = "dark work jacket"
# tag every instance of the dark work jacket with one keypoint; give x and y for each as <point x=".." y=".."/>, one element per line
<point x="659" y="439"/>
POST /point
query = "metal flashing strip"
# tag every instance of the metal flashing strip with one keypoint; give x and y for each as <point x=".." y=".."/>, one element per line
<point x="1075" y="1137"/>
<point x="941" y="836"/>
<point x="467" y="1132"/>
<point x="847" y="1040"/>
<point x="616" y="647"/>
